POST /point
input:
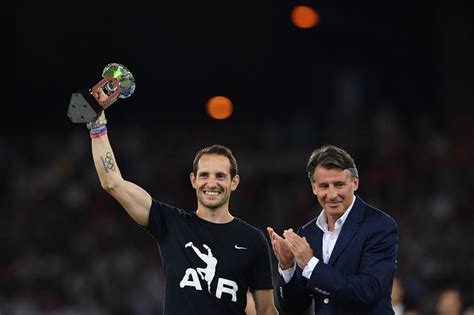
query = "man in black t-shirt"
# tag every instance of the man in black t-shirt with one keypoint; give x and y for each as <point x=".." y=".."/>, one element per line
<point x="211" y="259"/>
<point x="209" y="266"/>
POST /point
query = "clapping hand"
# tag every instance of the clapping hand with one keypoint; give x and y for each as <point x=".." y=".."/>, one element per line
<point x="299" y="247"/>
<point x="281" y="249"/>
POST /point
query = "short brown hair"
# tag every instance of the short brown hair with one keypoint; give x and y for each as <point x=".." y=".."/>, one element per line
<point x="218" y="150"/>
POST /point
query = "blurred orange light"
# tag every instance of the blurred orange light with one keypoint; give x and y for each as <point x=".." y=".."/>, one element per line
<point x="304" y="16"/>
<point x="219" y="107"/>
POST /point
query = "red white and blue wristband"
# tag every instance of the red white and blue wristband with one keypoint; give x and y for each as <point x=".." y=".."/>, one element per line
<point x="98" y="128"/>
<point x="94" y="133"/>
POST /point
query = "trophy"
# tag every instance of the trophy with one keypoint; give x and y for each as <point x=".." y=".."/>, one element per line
<point x="85" y="106"/>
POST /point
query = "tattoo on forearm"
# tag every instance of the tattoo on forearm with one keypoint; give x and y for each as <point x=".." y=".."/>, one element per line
<point x="108" y="162"/>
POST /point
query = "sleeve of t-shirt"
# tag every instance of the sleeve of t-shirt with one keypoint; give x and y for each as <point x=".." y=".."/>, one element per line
<point x="262" y="275"/>
<point x="161" y="218"/>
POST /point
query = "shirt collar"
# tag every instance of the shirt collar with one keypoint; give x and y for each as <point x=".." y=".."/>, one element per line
<point x="322" y="221"/>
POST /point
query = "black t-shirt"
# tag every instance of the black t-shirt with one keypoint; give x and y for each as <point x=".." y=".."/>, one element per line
<point x="208" y="267"/>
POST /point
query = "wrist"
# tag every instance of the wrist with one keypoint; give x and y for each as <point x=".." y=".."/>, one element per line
<point x="286" y="266"/>
<point x="98" y="132"/>
<point x="97" y="128"/>
<point x="96" y="124"/>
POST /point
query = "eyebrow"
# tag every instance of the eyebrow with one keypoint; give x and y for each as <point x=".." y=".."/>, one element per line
<point x="207" y="173"/>
<point x="335" y="183"/>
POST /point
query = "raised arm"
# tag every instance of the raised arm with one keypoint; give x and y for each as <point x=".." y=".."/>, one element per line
<point x="134" y="199"/>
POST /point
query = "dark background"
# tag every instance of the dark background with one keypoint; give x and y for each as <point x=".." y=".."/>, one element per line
<point x="391" y="82"/>
<point x="182" y="54"/>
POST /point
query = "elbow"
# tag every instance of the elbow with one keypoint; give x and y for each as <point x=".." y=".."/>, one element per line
<point x="109" y="186"/>
<point x="367" y="291"/>
<point x="373" y="294"/>
<point x="374" y="299"/>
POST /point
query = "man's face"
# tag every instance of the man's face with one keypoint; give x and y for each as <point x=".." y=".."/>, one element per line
<point x="213" y="182"/>
<point x="335" y="190"/>
<point x="449" y="302"/>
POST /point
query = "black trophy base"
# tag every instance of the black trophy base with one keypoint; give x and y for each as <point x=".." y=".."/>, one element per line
<point x="83" y="108"/>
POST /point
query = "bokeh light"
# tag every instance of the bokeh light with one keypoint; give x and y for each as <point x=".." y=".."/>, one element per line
<point x="219" y="107"/>
<point x="304" y="17"/>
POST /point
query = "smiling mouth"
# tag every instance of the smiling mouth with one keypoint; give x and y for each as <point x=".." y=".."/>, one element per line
<point x="212" y="193"/>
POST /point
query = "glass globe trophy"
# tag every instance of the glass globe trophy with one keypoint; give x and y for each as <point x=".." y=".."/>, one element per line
<point x="85" y="106"/>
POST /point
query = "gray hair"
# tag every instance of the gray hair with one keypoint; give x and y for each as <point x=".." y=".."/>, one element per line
<point x="330" y="156"/>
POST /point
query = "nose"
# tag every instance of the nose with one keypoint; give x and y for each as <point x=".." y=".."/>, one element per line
<point x="332" y="193"/>
<point x="211" y="181"/>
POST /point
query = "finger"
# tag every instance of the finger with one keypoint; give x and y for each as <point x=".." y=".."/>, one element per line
<point x="276" y="247"/>
<point x="290" y="235"/>
<point x="305" y="240"/>
<point x="274" y="244"/>
<point x="289" y="232"/>
<point x="276" y="251"/>
<point x="290" y="245"/>
<point x="294" y="237"/>
<point x="270" y="232"/>
<point x="103" y="96"/>
<point x="276" y="236"/>
<point x="297" y="244"/>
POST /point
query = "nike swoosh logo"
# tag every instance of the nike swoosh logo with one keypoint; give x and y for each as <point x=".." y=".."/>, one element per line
<point x="239" y="247"/>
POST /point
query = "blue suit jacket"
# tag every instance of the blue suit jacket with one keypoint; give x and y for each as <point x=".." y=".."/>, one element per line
<point x="358" y="277"/>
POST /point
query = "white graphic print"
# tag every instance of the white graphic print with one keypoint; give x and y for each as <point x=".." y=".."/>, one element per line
<point x="207" y="273"/>
<point x="239" y="247"/>
<point x="190" y="278"/>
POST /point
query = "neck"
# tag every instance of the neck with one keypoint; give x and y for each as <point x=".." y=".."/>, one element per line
<point x="331" y="222"/>
<point x="219" y="216"/>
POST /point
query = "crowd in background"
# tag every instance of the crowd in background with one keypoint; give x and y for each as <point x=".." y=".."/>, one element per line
<point x="69" y="248"/>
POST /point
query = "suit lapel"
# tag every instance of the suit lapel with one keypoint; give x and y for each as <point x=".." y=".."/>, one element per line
<point x="350" y="227"/>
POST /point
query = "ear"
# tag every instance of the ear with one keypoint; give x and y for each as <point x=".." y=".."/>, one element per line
<point x="314" y="187"/>
<point x="355" y="182"/>
<point x="234" y="182"/>
<point x="192" y="178"/>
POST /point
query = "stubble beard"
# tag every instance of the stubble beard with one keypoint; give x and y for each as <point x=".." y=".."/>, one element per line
<point x="213" y="206"/>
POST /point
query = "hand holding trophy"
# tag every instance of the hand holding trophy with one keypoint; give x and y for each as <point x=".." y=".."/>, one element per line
<point x="86" y="106"/>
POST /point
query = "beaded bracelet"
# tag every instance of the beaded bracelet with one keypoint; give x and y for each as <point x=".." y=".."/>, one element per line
<point x="96" y="124"/>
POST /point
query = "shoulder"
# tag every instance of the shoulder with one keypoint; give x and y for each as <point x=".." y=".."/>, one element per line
<point x="372" y="214"/>
<point x="309" y="226"/>
<point x="246" y="227"/>
<point x="164" y="218"/>
<point x="377" y="219"/>
<point x="249" y="231"/>
<point x="164" y="209"/>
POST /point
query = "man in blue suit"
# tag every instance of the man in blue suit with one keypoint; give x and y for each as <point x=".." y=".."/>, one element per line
<point x="345" y="258"/>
